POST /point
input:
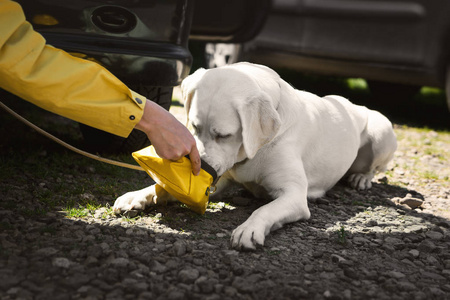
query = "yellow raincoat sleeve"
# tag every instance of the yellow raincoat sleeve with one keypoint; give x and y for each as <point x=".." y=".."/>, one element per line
<point x="78" y="89"/>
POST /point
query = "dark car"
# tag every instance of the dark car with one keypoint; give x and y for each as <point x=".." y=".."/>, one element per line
<point x="397" y="45"/>
<point x="143" y="43"/>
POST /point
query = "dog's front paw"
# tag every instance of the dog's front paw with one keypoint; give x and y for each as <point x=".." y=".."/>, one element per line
<point x="133" y="201"/>
<point x="249" y="235"/>
<point x="360" y="181"/>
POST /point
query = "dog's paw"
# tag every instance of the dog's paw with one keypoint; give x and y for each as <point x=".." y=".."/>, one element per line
<point x="132" y="201"/>
<point x="360" y="181"/>
<point x="248" y="236"/>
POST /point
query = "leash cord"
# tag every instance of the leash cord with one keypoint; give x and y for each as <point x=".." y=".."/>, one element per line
<point x="68" y="146"/>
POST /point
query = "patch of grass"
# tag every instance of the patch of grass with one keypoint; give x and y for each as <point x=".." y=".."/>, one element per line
<point x="358" y="203"/>
<point x="108" y="213"/>
<point x="429" y="175"/>
<point x="341" y="235"/>
<point x="273" y="252"/>
<point x="131" y="220"/>
<point x="76" y="212"/>
<point x="397" y="183"/>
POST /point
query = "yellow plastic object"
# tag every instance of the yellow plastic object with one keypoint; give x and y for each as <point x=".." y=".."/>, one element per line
<point x="177" y="179"/>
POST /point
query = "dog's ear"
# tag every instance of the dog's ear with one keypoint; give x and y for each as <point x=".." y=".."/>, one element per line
<point x="260" y="122"/>
<point x="188" y="87"/>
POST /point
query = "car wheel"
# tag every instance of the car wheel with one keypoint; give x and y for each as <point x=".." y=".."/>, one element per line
<point x="103" y="142"/>
<point x="386" y="93"/>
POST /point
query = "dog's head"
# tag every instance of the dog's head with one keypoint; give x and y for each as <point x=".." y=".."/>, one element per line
<point x="232" y="111"/>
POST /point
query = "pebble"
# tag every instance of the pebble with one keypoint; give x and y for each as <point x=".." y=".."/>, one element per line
<point x="427" y="246"/>
<point x="61" y="262"/>
<point x="49" y="251"/>
<point x="434" y="235"/>
<point x="413" y="203"/>
<point x="414" y="253"/>
<point x="188" y="275"/>
<point x="396" y="274"/>
<point x="205" y="284"/>
<point x="120" y="262"/>
<point x="179" y="248"/>
<point x="157" y="267"/>
<point x="337" y="259"/>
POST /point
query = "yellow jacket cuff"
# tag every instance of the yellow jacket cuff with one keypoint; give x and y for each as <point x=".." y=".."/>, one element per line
<point x="50" y="78"/>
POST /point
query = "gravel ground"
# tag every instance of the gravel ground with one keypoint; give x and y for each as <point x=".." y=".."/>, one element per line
<point x="391" y="242"/>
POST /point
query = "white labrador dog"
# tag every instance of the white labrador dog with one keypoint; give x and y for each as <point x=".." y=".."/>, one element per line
<point x="278" y="142"/>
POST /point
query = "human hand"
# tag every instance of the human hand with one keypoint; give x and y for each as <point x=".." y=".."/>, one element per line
<point x="171" y="139"/>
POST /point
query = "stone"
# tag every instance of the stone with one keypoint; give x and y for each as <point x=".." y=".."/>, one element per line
<point x="61" y="262"/>
<point x="413" y="203"/>
<point x="205" y="284"/>
<point x="358" y="240"/>
<point x="120" y="262"/>
<point x="396" y="274"/>
<point x="188" y="275"/>
<point x="179" y="248"/>
<point x="317" y="254"/>
<point x="157" y="267"/>
<point x="351" y="273"/>
<point x="426" y="246"/>
<point x="242" y="285"/>
<point x="434" y="235"/>
<point x="309" y="268"/>
<point x="336" y="258"/>
<point x="176" y="295"/>
<point x="394" y="242"/>
<point x="49" y="251"/>
<point x="406" y="286"/>
<point x="414" y="253"/>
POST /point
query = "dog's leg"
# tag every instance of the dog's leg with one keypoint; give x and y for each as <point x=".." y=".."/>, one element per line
<point x="361" y="181"/>
<point x="290" y="206"/>
<point x="379" y="145"/>
<point x="138" y="200"/>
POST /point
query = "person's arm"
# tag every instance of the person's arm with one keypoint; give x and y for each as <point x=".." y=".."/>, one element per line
<point x="50" y="78"/>
<point x="82" y="90"/>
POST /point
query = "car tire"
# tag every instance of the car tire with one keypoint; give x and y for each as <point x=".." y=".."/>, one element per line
<point x="99" y="141"/>
<point x="388" y="93"/>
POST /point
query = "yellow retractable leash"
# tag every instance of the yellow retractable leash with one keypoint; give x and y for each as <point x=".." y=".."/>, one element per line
<point x="173" y="176"/>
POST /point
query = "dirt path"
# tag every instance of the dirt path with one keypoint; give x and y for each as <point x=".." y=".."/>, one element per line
<point x="60" y="240"/>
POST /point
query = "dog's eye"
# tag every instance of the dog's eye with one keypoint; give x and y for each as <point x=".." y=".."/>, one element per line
<point x="222" y="136"/>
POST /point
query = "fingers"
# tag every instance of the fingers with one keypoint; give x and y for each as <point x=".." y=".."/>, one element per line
<point x="195" y="160"/>
<point x="171" y="139"/>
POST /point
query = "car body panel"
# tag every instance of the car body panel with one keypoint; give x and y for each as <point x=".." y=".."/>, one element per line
<point x="142" y="42"/>
<point x="402" y="41"/>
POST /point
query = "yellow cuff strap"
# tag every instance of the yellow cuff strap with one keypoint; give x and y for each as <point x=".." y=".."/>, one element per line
<point x="177" y="179"/>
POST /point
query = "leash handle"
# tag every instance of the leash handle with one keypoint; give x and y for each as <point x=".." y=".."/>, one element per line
<point x="68" y="146"/>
